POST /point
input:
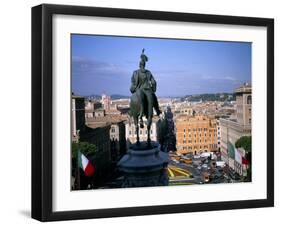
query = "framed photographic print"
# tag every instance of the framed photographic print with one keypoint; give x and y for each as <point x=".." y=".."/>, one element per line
<point x="145" y="112"/>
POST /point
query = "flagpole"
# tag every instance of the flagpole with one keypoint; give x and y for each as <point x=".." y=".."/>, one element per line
<point x="78" y="171"/>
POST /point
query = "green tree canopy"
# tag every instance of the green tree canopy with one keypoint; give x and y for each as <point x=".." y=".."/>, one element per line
<point x="244" y="142"/>
<point x="84" y="147"/>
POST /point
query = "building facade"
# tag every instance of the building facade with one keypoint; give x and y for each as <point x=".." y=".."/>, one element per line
<point x="99" y="136"/>
<point x="116" y="132"/>
<point x="196" y="134"/>
<point x="90" y="107"/>
<point x="77" y="116"/>
<point x="187" y="110"/>
<point x="106" y="101"/>
<point x="244" y="105"/>
<point x="118" y="140"/>
<point x="219" y="134"/>
<point x="131" y="135"/>
<point x="166" y="131"/>
<point x="100" y="112"/>
<point x="233" y="129"/>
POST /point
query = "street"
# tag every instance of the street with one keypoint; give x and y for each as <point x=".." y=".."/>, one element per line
<point x="199" y="170"/>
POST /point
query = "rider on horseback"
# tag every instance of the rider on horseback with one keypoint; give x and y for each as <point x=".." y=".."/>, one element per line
<point x="144" y="85"/>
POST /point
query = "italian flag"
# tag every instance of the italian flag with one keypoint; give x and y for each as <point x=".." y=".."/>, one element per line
<point x="245" y="161"/>
<point x="85" y="164"/>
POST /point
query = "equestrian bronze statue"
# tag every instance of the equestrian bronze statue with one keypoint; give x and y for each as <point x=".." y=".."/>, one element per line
<point x="143" y="99"/>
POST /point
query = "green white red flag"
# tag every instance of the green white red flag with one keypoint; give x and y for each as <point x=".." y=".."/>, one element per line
<point x="85" y="165"/>
<point x="245" y="161"/>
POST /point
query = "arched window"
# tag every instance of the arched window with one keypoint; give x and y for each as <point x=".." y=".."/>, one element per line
<point x="249" y="99"/>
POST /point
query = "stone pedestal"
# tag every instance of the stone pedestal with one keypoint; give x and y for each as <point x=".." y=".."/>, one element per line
<point x="144" y="166"/>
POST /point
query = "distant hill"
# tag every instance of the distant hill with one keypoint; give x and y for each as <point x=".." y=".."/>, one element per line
<point x="210" y="97"/>
<point x="94" y="96"/>
<point x="118" y="96"/>
<point x="113" y="96"/>
<point x="191" y="98"/>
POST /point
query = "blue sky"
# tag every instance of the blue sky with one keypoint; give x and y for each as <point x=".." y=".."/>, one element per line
<point x="104" y="64"/>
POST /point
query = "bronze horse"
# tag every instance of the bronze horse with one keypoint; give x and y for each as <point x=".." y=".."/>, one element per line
<point x="143" y="99"/>
<point x="138" y="102"/>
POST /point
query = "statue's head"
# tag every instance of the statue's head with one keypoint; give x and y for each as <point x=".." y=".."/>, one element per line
<point x="142" y="64"/>
<point x="144" y="59"/>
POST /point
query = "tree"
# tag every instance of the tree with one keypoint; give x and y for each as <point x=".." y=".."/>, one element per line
<point x="244" y="142"/>
<point x="101" y="161"/>
<point x="84" y="147"/>
<point x="82" y="181"/>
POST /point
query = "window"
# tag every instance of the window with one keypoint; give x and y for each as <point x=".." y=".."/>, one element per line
<point x="130" y="132"/>
<point x="249" y="99"/>
<point x="140" y="132"/>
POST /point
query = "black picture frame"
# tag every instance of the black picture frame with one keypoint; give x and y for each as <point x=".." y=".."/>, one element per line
<point x="42" y="111"/>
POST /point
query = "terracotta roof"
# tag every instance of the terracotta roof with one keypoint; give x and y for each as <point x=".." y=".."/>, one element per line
<point x="98" y="124"/>
<point x="107" y="118"/>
